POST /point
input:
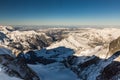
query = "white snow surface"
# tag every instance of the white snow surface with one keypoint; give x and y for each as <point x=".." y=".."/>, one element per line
<point x="5" y="51"/>
<point x="4" y="76"/>
<point x="80" y="41"/>
<point x="55" y="71"/>
<point x="89" y="41"/>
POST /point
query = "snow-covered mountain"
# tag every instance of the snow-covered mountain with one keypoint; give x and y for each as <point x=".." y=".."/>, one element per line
<point x="22" y="41"/>
<point x="60" y="53"/>
<point x="15" y="67"/>
<point x="89" y="41"/>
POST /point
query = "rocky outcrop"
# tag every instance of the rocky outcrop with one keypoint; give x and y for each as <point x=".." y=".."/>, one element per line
<point x="32" y="58"/>
<point x="36" y="47"/>
<point x="30" y="40"/>
<point x="114" y="46"/>
<point x="3" y="39"/>
<point x="46" y="56"/>
<point x="111" y="72"/>
<point x="90" y="68"/>
<point x="17" y="67"/>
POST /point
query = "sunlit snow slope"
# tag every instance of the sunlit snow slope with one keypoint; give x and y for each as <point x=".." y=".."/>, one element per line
<point x="59" y="54"/>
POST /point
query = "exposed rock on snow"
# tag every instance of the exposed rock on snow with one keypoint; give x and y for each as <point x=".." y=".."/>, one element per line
<point x="78" y="39"/>
<point x="114" y="46"/>
<point x="3" y="76"/>
<point x="82" y="51"/>
<point x="17" y="67"/>
<point x="46" y="56"/>
<point x="28" y="40"/>
<point x="19" y="41"/>
<point x="111" y="72"/>
<point x="4" y="40"/>
<point x="89" y="68"/>
<point x="89" y="41"/>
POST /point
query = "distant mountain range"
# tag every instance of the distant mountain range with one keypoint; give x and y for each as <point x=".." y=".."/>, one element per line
<point x="59" y="53"/>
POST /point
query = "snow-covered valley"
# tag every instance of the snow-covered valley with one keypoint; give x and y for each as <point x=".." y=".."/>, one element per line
<point x="59" y="54"/>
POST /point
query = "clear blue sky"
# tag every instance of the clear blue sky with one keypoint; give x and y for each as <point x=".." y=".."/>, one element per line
<point x="60" y="12"/>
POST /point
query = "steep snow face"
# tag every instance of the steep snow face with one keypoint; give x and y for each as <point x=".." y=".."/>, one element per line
<point x="52" y="70"/>
<point x="55" y="71"/>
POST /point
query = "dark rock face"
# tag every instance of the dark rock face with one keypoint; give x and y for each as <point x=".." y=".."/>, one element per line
<point x="94" y="68"/>
<point x="111" y="72"/>
<point x="45" y="56"/>
<point x="31" y="58"/>
<point x="38" y="40"/>
<point x="85" y="67"/>
<point x="114" y="46"/>
<point x="16" y="45"/>
<point x="3" y="37"/>
<point x="17" y="67"/>
<point x="56" y="35"/>
<point x="34" y="41"/>
<point x="77" y="65"/>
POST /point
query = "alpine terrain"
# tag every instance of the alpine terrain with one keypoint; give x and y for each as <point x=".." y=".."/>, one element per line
<point x="59" y="53"/>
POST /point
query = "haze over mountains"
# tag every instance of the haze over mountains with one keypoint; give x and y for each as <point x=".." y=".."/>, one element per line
<point x="59" y="53"/>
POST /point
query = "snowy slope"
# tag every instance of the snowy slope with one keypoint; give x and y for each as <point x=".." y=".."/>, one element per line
<point x="3" y="76"/>
<point x="55" y="71"/>
<point x="78" y="56"/>
<point x="89" y="41"/>
<point x="80" y="40"/>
